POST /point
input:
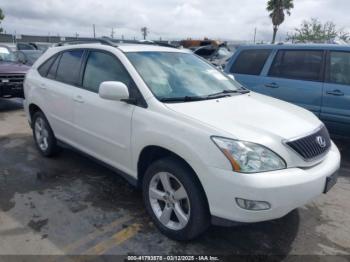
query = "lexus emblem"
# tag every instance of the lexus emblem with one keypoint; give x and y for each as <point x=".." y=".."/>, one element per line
<point x="321" y="141"/>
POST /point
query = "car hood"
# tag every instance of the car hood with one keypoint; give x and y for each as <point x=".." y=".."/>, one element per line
<point x="251" y="117"/>
<point x="13" y="68"/>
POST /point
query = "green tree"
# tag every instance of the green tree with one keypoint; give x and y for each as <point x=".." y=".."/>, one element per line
<point x="315" y="31"/>
<point x="277" y="9"/>
<point x="2" y="16"/>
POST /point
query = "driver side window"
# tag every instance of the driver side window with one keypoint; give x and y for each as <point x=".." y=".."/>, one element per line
<point x="101" y="67"/>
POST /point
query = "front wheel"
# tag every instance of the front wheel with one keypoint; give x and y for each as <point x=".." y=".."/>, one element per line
<point x="175" y="200"/>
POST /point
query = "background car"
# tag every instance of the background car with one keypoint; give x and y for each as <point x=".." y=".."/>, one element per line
<point x="12" y="74"/>
<point x="217" y="55"/>
<point x="316" y="77"/>
<point x="28" y="57"/>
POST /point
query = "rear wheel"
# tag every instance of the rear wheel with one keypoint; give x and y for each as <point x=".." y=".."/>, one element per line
<point x="43" y="135"/>
<point x="175" y="200"/>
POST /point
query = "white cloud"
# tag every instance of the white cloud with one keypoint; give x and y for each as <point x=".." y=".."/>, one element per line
<point x="225" y="19"/>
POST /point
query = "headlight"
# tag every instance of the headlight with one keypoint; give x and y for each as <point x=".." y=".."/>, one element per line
<point x="247" y="157"/>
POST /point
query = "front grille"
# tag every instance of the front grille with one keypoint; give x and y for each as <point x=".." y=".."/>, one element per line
<point x="312" y="146"/>
<point x="11" y="85"/>
<point x="11" y="78"/>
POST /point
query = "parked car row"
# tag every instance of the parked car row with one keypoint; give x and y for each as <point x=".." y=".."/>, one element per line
<point x="203" y="148"/>
<point x="316" y="77"/>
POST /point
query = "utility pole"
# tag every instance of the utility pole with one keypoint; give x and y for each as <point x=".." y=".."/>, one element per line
<point x="94" y="30"/>
<point x="144" y="31"/>
<point x="112" y="33"/>
<point x="254" y="34"/>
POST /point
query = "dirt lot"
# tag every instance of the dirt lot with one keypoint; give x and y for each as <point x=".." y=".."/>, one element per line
<point x="71" y="205"/>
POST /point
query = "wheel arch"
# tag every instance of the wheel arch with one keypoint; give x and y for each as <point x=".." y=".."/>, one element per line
<point x="151" y="153"/>
<point x="33" y="108"/>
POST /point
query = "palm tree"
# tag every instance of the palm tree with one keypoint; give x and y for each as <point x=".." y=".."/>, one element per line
<point x="2" y="16"/>
<point x="277" y="9"/>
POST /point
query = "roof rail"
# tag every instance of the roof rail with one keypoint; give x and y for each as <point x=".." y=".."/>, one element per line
<point x="104" y="41"/>
<point x="112" y="42"/>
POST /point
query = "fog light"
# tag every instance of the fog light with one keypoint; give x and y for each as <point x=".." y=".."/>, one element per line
<point x="252" y="205"/>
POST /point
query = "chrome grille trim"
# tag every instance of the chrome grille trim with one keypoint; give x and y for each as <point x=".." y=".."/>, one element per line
<point x="12" y="78"/>
<point x="307" y="147"/>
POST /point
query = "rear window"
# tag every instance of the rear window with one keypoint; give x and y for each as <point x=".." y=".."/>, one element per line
<point x="297" y="64"/>
<point x="68" y="69"/>
<point x="250" y="62"/>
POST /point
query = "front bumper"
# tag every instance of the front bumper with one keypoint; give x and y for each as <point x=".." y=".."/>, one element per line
<point x="11" y="90"/>
<point x="284" y="189"/>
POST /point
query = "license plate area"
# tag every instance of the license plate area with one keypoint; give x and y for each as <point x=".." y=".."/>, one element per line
<point x="330" y="182"/>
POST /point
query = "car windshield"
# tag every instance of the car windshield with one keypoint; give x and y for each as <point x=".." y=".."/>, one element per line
<point x="6" y="55"/>
<point x="175" y="75"/>
<point x="32" y="56"/>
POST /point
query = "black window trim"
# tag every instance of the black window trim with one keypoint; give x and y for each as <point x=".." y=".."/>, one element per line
<point x="270" y="50"/>
<point x="140" y="100"/>
<point x="321" y="74"/>
<point x="328" y="66"/>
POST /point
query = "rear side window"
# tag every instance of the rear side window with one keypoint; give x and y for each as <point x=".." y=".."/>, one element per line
<point x="298" y="64"/>
<point x="44" y="68"/>
<point x="250" y="62"/>
<point x="69" y="67"/>
<point x="339" y="68"/>
<point x="101" y="67"/>
<point x="53" y="69"/>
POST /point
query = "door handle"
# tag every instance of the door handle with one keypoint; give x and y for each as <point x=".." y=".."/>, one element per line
<point x="43" y="86"/>
<point x="79" y="99"/>
<point x="272" y="85"/>
<point x="336" y="92"/>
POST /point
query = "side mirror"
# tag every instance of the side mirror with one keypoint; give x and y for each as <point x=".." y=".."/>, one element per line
<point x="113" y="90"/>
<point x="231" y="76"/>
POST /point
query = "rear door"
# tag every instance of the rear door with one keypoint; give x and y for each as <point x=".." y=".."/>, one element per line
<point x="335" y="110"/>
<point x="296" y="76"/>
<point x="103" y="127"/>
<point x="247" y="66"/>
<point x="58" y="86"/>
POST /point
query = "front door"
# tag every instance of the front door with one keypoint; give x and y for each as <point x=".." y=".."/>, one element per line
<point x="103" y="127"/>
<point x="296" y="76"/>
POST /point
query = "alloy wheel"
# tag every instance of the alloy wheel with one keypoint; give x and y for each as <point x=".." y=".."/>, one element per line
<point x="169" y="201"/>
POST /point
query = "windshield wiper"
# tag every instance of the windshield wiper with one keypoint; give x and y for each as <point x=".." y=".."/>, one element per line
<point x="226" y="92"/>
<point x="223" y="93"/>
<point x="182" y="99"/>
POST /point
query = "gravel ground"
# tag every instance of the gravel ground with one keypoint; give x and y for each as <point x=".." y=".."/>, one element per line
<point x="71" y="205"/>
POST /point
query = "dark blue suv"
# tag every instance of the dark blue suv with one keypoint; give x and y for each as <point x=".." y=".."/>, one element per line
<point x="316" y="77"/>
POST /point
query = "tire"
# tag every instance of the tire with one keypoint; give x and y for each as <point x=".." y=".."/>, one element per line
<point x="194" y="218"/>
<point x="44" y="139"/>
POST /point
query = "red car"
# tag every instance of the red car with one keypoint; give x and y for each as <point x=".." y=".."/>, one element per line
<point x="12" y="74"/>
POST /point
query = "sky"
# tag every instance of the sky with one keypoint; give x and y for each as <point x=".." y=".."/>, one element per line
<point x="166" y="19"/>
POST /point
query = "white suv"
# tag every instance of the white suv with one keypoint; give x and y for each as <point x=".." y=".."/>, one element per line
<point x="202" y="148"/>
